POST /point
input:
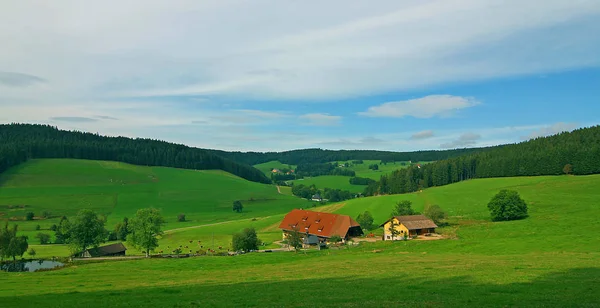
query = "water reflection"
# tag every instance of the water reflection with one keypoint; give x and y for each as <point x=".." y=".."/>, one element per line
<point x="29" y="266"/>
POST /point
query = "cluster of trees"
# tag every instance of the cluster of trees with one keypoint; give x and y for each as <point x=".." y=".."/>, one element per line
<point x="331" y="194"/>
<point x="246" y="241"/>
<point x="577" y="152"/>
<point x="361" y="181"/>
<point x="312" y="156"/>
<point x="317" y="169"/>
<point x="337" y="195"/>
<point x="21" y="142"/>
<point x="374" y="167"/>
<point x="11" y="244"/>
<point x="304" y="191"/>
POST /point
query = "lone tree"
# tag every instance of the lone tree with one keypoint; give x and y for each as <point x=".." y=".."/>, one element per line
<point x="392" y="229"/>
<point x="87" y="230"/>
<point x="181" y="217"/>
<point x="365" y="220"/>
<point x="122" y="230"/>
<point x="29" y="216"/>
<point x="568" y="169"/>
<point x="507" y="205"/>
<point x="246" y="240"/>
<point x="12" y="245"/>
<point x="402" y="208"/>
<point x="144" y="229"/>
<point x="294" y="239"/>
<point x="435" y="213"/>
<point x="237" y="206"/>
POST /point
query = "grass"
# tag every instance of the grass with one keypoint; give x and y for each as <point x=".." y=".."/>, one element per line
<point x="550" y="258"/>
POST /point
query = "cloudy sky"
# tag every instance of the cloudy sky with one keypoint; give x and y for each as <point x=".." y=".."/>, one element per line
<point x="277" y="75"/>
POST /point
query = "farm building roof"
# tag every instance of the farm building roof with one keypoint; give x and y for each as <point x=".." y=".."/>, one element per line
<point x="415" y="222"/>
<point x="107" y="250"/>
<point x="318" y="223"/>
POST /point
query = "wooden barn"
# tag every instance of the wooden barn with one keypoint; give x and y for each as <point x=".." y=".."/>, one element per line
<point x="112" y="250"/>
<point x="317" y="227"/>
<point x="407" y="226"/>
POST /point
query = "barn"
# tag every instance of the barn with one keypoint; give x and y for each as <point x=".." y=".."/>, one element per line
<point x="112" y="250"/>
<point x="318" y="227"/>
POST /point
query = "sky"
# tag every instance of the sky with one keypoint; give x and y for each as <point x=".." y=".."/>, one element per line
<point x="268" y="75"/>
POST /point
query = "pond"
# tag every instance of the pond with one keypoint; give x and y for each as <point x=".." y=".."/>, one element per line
<point x="29" y="266"/>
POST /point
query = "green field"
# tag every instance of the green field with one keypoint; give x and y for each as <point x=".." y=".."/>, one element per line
<point x="117" y="190"/>
<point x="550" y="258"/>
<point x="342" y="182"/>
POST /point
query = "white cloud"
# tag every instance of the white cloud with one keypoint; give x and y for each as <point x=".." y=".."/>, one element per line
<point x="422" y="135"/>
<point x="425" y="107"/>
<point x="320" y="119"/>
<point x="465" y="140"/>
<point x="551" y="130"/>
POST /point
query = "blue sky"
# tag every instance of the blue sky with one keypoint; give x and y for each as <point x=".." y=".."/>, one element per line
<point x="271" y="75"/>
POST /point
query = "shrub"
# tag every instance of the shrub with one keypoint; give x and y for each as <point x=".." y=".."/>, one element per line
<point x="507" y="205"/>
<point x="435" y="213"/>
<point x="237" y="206"/>
<point x="53" y="227"/>
<point x="46" y="214"/>
<point x="43" y="237"/>
<point x="335" y="239"/>
<point x="29" y="216"/>
<point x="38" y="227"/>
<point x="31" y="252"/>
<point x="181" y="217"/>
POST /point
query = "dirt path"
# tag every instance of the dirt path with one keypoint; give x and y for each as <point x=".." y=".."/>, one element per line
<point x="212" y="224"/>
<point x="279" y="190"/>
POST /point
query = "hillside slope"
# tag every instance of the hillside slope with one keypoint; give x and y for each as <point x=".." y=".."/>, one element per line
<point x="20" y="142"/>
<point x="64" y="186"/>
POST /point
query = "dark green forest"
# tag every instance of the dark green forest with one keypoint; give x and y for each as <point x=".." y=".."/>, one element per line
<point x="315" y="156"/>
<point x="20" y="142"/>
<point x="577" y="153"/>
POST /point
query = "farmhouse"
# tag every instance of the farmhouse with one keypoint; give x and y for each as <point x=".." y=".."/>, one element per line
<point x="407" y="226"/>
<point x="317" y="227"/>
<point x="111" y="250"/>
<point x="316" y="197"/>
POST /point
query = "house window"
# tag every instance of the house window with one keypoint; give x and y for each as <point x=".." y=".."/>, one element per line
<point x="388" y="237"/>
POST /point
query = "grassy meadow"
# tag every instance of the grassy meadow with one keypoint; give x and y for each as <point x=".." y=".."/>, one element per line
<point x="550" y="258"/>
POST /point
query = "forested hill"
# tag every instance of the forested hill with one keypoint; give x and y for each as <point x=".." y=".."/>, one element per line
<point x="577" y="152"/>
<point x="20" y="142"/>
<point x="312" y="156"/>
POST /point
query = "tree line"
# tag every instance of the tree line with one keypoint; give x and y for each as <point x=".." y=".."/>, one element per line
<point x="314" y="156"/>
<point x="20" y="142"/>
<point x="576" y="152"/>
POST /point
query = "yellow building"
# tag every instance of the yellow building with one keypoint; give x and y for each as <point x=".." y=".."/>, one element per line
<point x="407" y="227"/>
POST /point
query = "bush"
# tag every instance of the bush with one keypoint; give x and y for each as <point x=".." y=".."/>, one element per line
<point x="181" y="217"/>
<point x="43" y="237"/>
<point x="238" y="206"/>
<point x="507" y="205"/>
<point x="435" y="213"/>
<point x="31" y="252"/>
<point x="112" y="236"/>
<point x="38" y="227"/>
<point x="46" y="214"/>
<point x="29" y="216"/>
<point x="53" y="227"/>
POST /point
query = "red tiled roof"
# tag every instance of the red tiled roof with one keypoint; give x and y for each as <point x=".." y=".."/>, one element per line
<point x="317" y="223"/>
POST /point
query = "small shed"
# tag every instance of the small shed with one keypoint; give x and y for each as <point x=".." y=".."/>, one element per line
<point x="112" y="250"/>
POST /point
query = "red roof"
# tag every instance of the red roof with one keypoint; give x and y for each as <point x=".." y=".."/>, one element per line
<point x="317" y="223"/>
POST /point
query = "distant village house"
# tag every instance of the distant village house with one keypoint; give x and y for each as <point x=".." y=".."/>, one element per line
<point x="407" y="227"/>
<point x="317" y="227"/>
